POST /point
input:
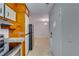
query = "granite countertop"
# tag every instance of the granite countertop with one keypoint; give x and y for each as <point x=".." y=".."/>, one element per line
<point x="9" y="40"/>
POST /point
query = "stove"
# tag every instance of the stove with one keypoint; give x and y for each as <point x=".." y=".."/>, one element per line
<point x="1" y="42"/>
<point x="4" y="47"/>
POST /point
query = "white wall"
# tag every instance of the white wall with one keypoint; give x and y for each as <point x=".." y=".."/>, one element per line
<point x="70" y="26"/>
<point x="40" y="30"/>
<point x="65" y="40"/>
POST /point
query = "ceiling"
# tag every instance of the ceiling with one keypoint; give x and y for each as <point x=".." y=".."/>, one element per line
<point x="39" y="8"/>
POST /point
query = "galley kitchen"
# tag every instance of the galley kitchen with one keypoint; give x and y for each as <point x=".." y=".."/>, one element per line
<point x="14" y="29"/>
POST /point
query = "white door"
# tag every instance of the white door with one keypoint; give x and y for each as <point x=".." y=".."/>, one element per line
<point x="55" y="31"/>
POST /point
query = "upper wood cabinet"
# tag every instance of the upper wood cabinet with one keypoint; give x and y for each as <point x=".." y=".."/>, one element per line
<point x="1" y="9"/>
<point x="10" y="13"/>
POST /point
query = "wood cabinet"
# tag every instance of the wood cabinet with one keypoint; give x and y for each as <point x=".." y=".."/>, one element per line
<point x="16" y="12"/>
<point x="10" y="13"/>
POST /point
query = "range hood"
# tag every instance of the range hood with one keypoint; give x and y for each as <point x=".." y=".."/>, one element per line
<point x="4" y="22"/>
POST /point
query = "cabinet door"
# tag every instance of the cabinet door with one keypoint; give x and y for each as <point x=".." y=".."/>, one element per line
<point x="9" y="13"/>
<point x="1" y="9"/>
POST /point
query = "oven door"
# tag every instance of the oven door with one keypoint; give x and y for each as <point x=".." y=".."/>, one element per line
<point x="1" y="43"/>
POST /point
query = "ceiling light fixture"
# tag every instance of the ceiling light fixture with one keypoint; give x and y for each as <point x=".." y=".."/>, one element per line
<point x="44" y="20"/>
<point x="54" y="24"/>
<point x="45" y="23"/>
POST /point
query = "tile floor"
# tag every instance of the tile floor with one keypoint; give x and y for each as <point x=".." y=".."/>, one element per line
<point x="40" y="47"/>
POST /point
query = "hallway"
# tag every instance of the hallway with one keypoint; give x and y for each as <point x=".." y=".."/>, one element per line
<point x="39" y="18"/>
<point x="40" y="49"/>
